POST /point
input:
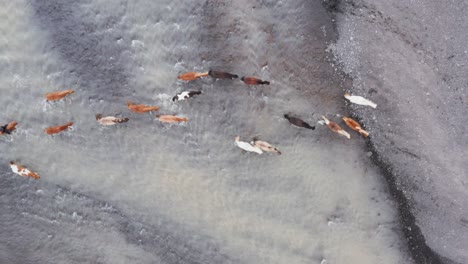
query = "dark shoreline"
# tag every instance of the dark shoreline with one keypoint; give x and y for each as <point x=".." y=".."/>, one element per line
<point x="420" y="252"/>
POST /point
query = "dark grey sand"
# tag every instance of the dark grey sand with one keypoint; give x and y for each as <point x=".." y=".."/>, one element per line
<point x="410" y="58"/>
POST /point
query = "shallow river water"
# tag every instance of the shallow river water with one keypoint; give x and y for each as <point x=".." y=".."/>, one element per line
<point x="146" y="192"/>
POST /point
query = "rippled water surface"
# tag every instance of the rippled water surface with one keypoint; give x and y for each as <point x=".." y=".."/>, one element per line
<point x="146" y="192"/>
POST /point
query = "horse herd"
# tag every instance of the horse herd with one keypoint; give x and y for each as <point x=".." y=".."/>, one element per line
<point x="256" y="145"/>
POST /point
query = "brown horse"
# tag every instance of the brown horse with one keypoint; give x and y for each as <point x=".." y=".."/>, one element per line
<point x="8" y="128"/>
<point x="298" y="122"/>
<point x="140" y="108"/>
<point x="253" y="81"/>
<point x="355" y="126"/>
<point x="190" y="76"/>
<point x="54" y="96"/>
<point x="57" y="129"/>
<point x="222" y="75"/>
<point x="335" y="127"/>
